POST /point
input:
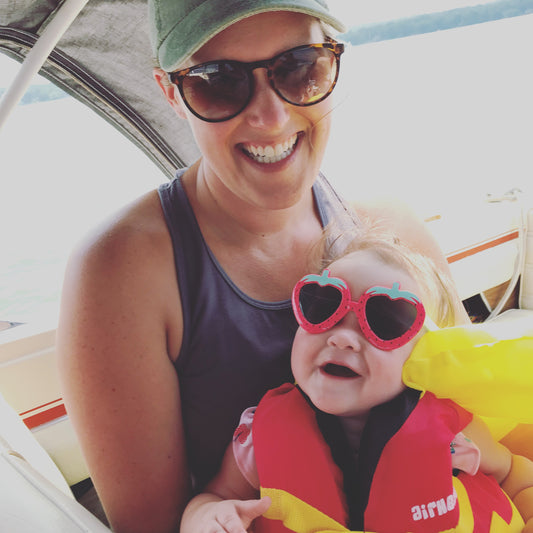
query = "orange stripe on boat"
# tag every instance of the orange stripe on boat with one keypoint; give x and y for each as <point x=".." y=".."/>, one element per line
<point x="43" y="414"/>
<point x="486" y="245"/>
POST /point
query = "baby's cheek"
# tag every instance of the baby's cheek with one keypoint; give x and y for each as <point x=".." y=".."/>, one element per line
<point x="393" y="374"/>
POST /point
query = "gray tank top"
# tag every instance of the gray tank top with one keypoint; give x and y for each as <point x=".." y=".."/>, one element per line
<point x="234" y="348"/>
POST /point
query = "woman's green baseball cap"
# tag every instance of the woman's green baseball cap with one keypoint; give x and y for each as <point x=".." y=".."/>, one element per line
<point x="179" y="28"/>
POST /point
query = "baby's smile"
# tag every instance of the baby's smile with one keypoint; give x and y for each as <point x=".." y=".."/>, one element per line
<point x="338" y="370"/>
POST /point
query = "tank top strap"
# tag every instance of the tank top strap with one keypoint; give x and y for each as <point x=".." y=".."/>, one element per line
<point x="234" y="348"/>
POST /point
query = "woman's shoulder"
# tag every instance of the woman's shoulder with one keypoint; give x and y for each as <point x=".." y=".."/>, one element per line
<point x="127" y="256"/>
<point x="124" y="265"/>
<point x="405" y="223"/>
<point x="391" y="210"/>
<point x="138" y="230"/>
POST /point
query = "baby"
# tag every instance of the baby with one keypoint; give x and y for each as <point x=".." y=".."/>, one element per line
<point x="350" y="447"/>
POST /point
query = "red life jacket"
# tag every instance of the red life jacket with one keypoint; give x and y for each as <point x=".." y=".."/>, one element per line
<point x="410" y="486"/>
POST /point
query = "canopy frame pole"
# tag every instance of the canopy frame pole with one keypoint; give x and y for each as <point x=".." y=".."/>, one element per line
<point x="37" y="56"/>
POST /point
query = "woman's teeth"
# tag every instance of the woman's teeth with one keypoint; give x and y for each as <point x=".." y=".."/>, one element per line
<point x="271" y="154"/>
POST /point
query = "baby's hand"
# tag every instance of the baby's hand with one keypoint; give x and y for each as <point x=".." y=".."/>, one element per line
<point x="236" y="516"/>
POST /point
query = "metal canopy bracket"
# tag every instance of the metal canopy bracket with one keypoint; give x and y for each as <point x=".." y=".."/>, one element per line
<point x="37" y="56"/>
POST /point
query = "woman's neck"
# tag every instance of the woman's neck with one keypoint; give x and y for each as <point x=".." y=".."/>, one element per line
<point x="240" y="218"/>
<point x="253" y="244"/>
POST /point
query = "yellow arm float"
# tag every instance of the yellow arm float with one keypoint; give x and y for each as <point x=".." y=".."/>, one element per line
<point x="486" y="368"/>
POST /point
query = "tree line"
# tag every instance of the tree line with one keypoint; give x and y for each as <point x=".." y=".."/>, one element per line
<point x="40" y="93"/>
<point x="431" y="22"/>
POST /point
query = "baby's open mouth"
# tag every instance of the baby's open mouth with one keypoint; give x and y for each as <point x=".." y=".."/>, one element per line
<point x="340" y="371"/>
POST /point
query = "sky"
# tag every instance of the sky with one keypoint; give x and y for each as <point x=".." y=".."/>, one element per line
<point x="355" y="12"/>
<point x="8" y="70"/>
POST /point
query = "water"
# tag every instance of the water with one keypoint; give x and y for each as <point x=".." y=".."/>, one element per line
<point x="436" y="121"/>
<point x="56" y="184"/>
<point x="434" y="118"/>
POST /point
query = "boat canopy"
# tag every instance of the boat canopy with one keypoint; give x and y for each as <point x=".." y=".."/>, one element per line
<point x="104" y="59"/>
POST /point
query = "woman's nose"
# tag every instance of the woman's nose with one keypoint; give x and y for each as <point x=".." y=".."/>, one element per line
<point x="266" y="110"/>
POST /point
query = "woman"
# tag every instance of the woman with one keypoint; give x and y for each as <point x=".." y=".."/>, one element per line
<point x="174" y="317"/>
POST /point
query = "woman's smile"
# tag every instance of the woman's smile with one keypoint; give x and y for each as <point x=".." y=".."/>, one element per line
<point x="270" y="153"/>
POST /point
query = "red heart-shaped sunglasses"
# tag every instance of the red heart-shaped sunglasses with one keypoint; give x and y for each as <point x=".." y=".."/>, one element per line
<point x="388" y="317"/>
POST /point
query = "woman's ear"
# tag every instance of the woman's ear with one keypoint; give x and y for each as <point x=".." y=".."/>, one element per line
<point x="170" y="91"/>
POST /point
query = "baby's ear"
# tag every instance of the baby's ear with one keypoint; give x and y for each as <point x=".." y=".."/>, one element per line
<point x="170" y="91"/>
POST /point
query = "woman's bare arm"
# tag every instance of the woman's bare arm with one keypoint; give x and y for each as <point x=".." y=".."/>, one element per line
<point x="229" y="503"/>
<point x="116" y="339"/>
<point x="513" y="472"/>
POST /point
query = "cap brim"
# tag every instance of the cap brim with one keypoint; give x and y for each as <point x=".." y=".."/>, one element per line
<point x="210" y="18"/>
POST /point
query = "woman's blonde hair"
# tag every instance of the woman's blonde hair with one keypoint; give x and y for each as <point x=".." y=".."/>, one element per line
<point x="437" y="287"/>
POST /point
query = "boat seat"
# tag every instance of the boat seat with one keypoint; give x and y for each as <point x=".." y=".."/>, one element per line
<point x="33" y="494"/>
<point x="18" y="438"/>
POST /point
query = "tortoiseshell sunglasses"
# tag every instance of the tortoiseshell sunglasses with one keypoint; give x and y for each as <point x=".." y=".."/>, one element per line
<point x="219" y="90"/>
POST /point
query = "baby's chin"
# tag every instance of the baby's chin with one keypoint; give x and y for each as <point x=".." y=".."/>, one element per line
<point x="343" y="411"/>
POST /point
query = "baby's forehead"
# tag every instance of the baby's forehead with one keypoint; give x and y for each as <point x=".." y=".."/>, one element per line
<point x="363" y="269"/>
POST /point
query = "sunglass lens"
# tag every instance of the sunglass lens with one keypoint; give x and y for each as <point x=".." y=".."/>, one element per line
<point x="305" y="76"/>
<point x="318" y="303"/>
<point x="217" y="91"/>
<point x="388" y="318"/>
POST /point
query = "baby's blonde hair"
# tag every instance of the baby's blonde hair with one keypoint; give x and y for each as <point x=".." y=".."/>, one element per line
<point x="436" y="286"/>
